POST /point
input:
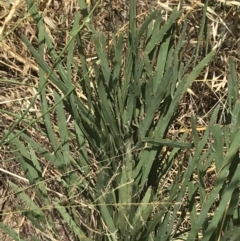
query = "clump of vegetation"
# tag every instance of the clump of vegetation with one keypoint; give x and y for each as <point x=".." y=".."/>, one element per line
<point x="113" y="161"/>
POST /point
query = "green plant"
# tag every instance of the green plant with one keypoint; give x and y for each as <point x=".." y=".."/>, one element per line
<point x="121" y="133"/>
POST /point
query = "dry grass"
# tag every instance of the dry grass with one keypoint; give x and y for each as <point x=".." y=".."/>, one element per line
<point x="19" y="79"/>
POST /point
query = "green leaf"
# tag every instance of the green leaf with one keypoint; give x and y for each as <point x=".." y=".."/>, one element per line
<point x="196" y="71"/>
<point x="10" y="232"/>
<point x="35" y="211"/>
<point x="70" y="222"/>
<point x="63" y="129"/>
<point x="125" y="199"/>
<point x="142" y="206"/>
<point x="165" y="142"/>
<point x="218" y="146"/>
<point x="158" y="34"/>
<point x="28" y="161"/>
